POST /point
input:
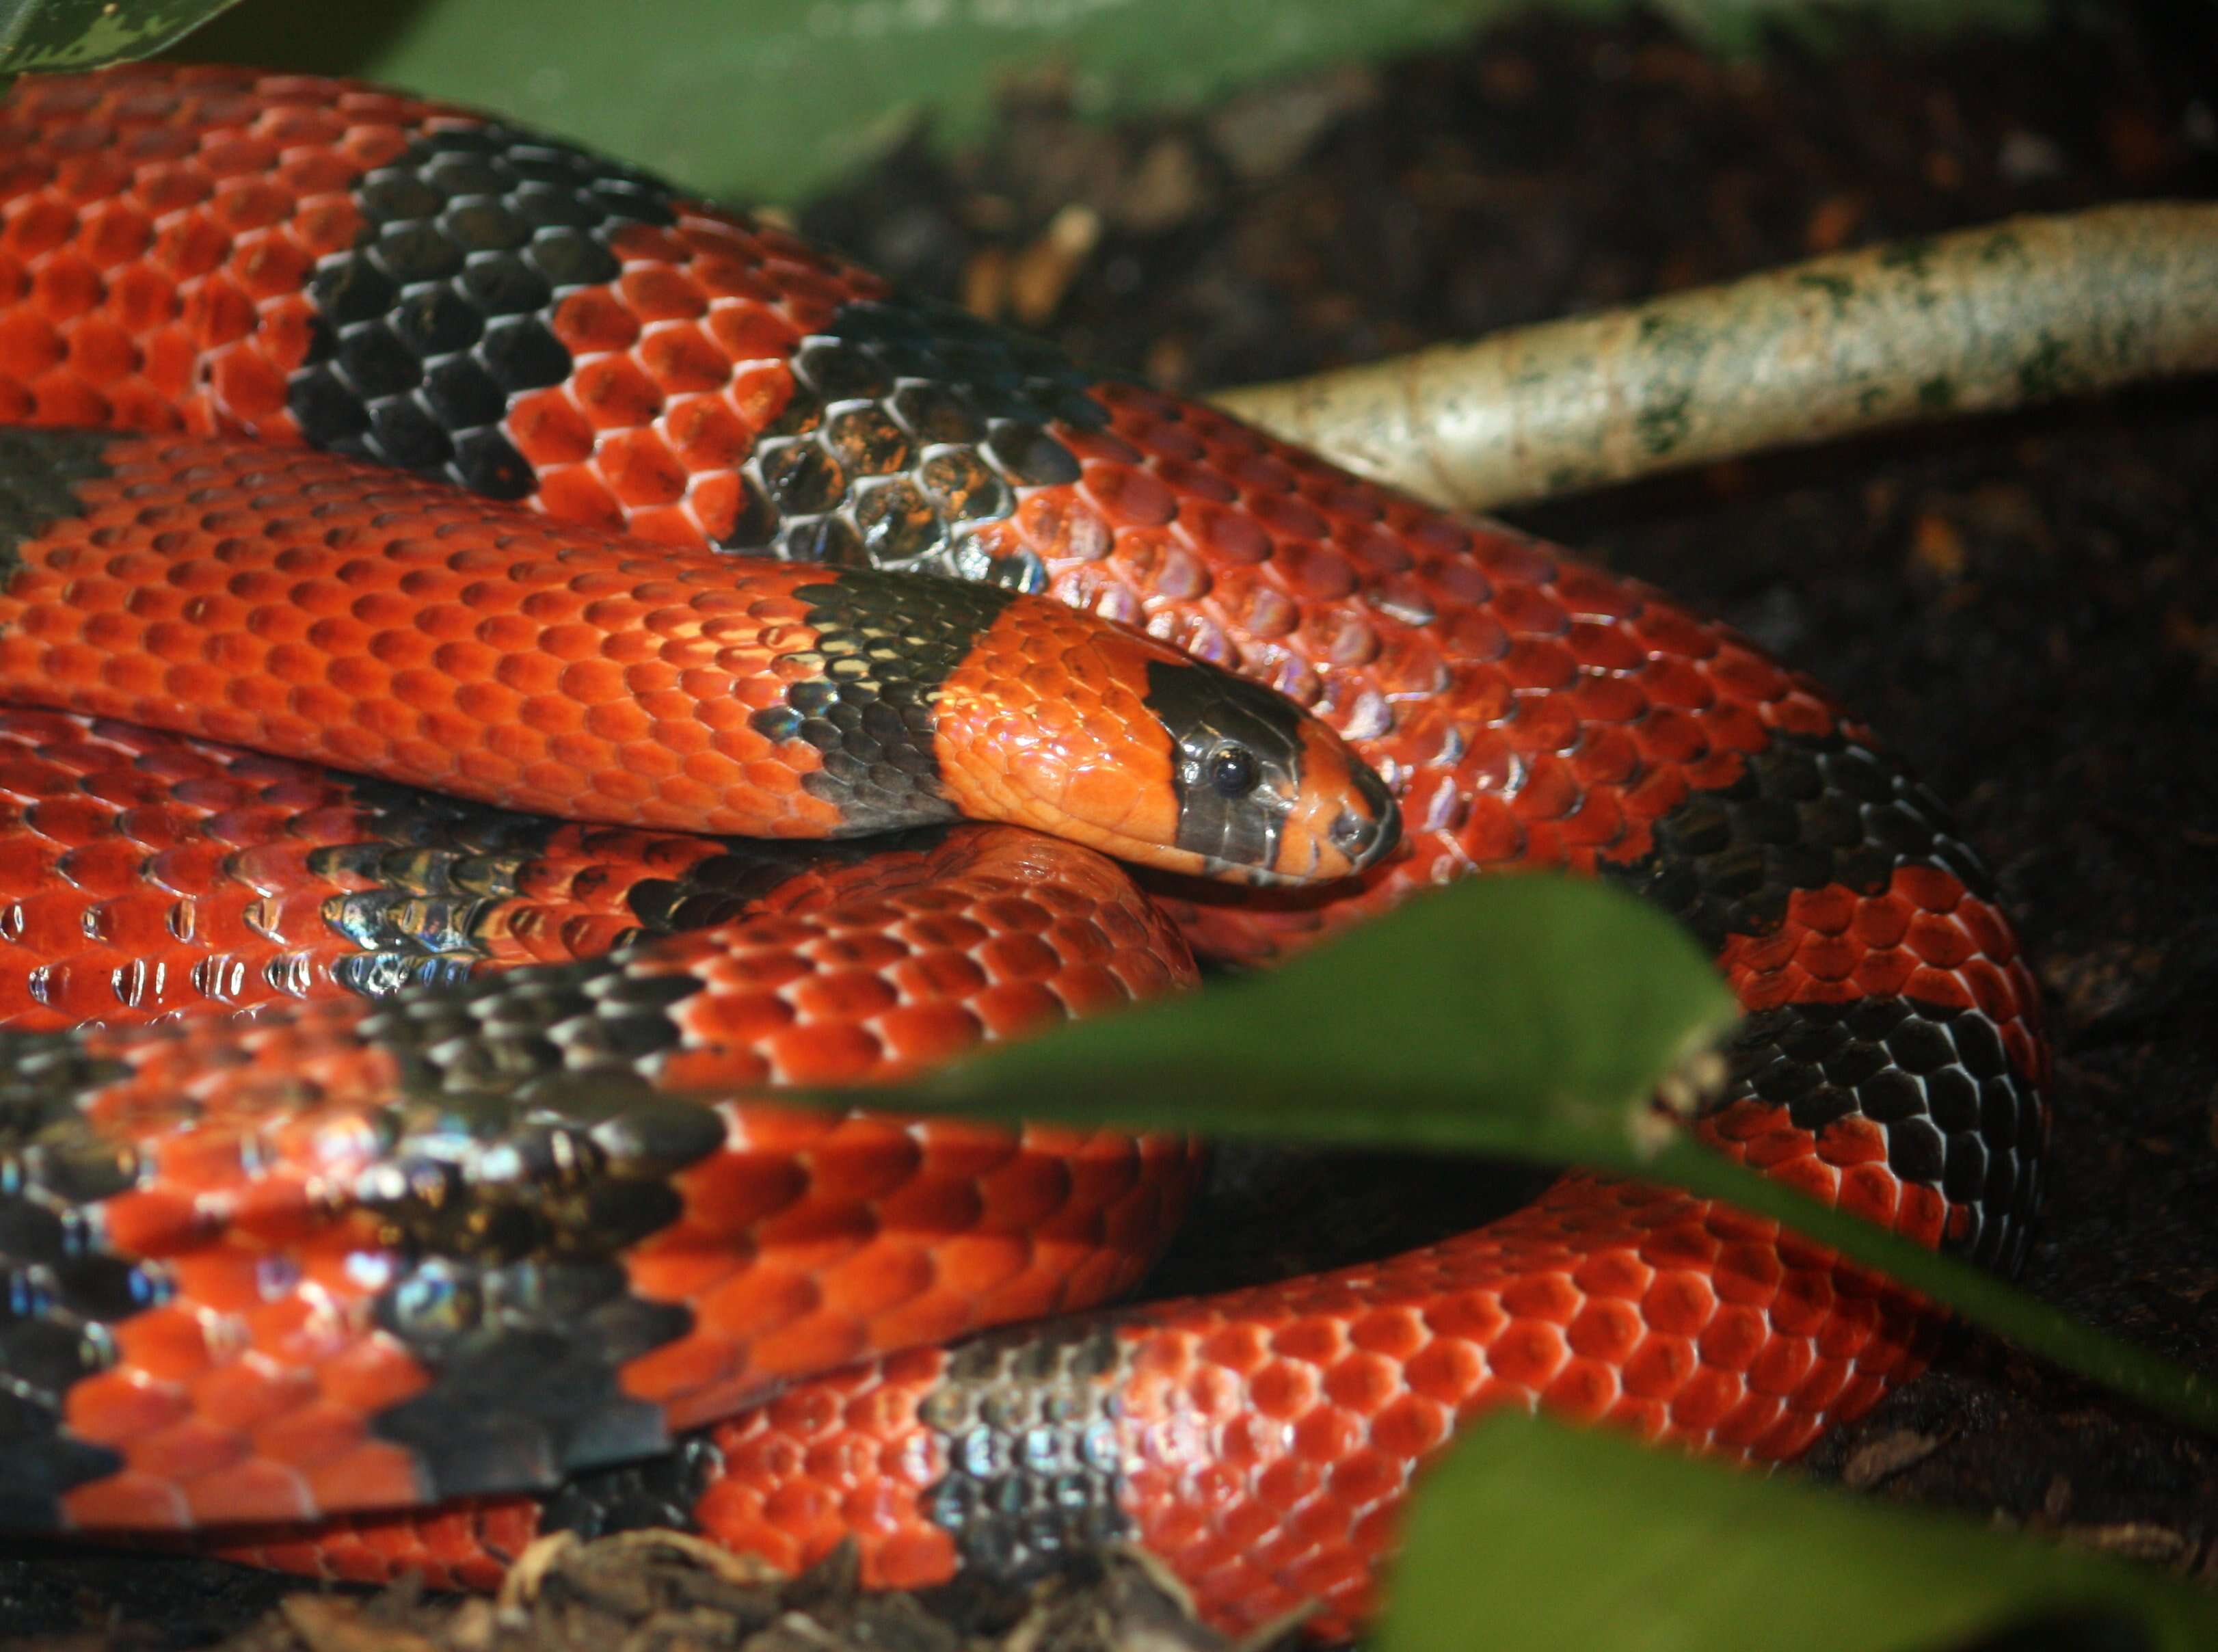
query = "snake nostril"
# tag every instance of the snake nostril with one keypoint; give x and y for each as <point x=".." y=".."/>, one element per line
<point x="1366" y="833"/>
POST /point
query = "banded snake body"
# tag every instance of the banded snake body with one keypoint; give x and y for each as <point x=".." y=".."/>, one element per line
<point x="420" y="1260"/>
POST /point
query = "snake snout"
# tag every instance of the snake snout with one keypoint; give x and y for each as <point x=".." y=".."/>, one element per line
<point x="1341" y="820"/>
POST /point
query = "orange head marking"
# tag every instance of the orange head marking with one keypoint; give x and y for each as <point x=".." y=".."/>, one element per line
<point x="1063" y="722"/>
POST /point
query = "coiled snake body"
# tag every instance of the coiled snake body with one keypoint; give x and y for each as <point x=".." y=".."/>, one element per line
<point x="427" y="1231"/>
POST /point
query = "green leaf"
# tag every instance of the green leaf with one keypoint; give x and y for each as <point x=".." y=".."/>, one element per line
<point x="1533" y="1535"/>
<point x="1527" y="1015"/>
<point x="48" y="35"/>
<point x="1748" y="26"/>
<point x="769" y="100"/>
<point x="1531" y="1017"/>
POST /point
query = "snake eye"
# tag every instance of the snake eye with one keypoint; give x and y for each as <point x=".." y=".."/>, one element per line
<point x="1232" y="772"/>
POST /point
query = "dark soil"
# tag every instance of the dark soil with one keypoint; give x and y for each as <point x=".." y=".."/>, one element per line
<point x="2028" y="607"/>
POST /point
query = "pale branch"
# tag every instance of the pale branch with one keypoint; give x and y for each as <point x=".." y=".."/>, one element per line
<point x="2003" y="316"/>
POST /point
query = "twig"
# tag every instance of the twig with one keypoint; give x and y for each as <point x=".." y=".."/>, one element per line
<point x="2003" y="316"/>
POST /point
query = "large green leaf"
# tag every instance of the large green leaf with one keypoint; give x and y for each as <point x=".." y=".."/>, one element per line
<point x="1525" y="1016"/>
<point x="767" y="100"/>
<point x="1532" y="1537"/>
<point x="57" y="34"/>
<point x="1528" y="1015"/>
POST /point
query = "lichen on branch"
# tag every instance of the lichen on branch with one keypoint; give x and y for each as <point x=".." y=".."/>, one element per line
<point x="2003" y="316"/>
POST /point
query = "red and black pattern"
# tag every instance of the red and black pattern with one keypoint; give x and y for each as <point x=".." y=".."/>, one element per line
<point x="305" y="260"/>
<point x="318" y="608"/>
<point x="438" y="314"/>
<point x="471" y="1238"/>
<point x="147" y="874"/>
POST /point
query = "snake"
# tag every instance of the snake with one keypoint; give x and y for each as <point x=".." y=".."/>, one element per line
<point x="467" y="611"/>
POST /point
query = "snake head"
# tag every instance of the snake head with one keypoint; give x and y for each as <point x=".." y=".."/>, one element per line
<point x="1266" y="794"/>
<point x="1064" y="722"/>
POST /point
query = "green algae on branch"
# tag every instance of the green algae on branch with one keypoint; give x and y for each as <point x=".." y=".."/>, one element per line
<point x="2003" y="316"/>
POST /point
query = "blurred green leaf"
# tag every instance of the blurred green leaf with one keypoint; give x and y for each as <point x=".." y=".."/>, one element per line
<point x="1533" y="1537"/>
<point x="56" y="34"/>
<point x="769" y="100"/>
<point x="1527" y="1015"/>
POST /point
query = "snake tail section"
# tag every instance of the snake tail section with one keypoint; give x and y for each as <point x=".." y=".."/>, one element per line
<point x="352" y="1254"/>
